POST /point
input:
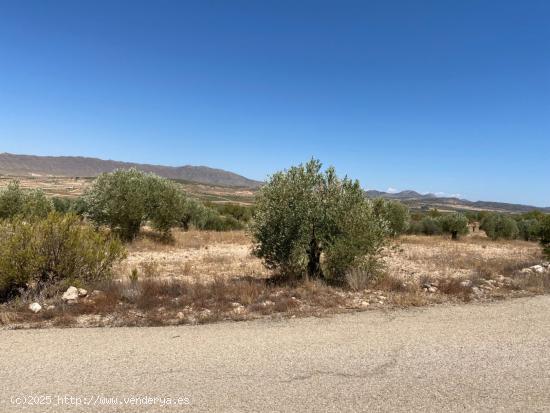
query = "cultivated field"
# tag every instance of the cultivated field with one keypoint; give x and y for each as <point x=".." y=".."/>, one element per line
<point x="205" y="255"/>
<point x="206" y="276"/>
<point x="73" y="187"/>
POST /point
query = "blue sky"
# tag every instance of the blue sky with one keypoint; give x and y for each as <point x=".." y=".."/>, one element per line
<point x="436" y="96"/>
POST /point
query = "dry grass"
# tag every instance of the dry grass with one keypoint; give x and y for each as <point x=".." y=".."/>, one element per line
<point x="203" y="255"/>
<point x="439" y="257"/>
<point x="203" y="277"/>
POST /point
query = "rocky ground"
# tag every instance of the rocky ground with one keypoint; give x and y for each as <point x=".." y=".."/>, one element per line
<point x="204" y="277"/>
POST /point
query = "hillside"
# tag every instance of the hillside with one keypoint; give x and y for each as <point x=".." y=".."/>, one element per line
<point x="416" y="200"/>
<point x="76" y="166"/>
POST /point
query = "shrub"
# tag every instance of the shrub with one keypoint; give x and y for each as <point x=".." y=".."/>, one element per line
<point x="29" y="204"/>
<point x="395" y="213"/>
<point x="45" y="252"/>
<point x="303" y="213"/>
<point x="500" y="226"/>
<point x="125" y="199"/>
<point x="455" y="224"/>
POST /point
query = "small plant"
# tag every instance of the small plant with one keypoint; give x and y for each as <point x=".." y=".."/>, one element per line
<point x="134" y="276"/>
<point x="360" y="278"/>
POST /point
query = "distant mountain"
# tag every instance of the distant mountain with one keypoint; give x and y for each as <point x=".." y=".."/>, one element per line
<point x="73" y="166"/>
<point x="416" y="200"/>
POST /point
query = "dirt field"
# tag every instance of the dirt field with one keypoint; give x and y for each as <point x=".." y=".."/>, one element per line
<point x="74" y="187"/>
<point x="205" y="255"/>
<point x="202" y="255"/>
<point x="204" y="277"/>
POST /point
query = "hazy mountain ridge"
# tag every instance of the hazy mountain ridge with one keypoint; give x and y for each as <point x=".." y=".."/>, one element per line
<point x="428" y="201"/>
<point x="73" y="166"/>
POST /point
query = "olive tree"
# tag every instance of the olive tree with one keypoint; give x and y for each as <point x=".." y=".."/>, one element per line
<point x="29" y="204"/>
<point x="455" y="224"/>
<point x="529" y="229"/>
<point x="500" y="226"/>
<point x="125" y="199"/>
<point x="395" y="213"/>
<point x="303" y="213"/>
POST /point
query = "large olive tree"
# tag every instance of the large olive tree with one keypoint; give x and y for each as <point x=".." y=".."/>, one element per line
<point x="125" y="199"/>
<point x="303" y="214"/>
<point x="500" y="226"/>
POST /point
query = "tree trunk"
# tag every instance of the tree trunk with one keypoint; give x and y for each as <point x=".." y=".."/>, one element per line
<point x="314" y="259"/>
<point x="454" y="235"/>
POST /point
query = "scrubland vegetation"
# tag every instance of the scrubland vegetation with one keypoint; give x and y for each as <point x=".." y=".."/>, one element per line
<point x="312" y="243"/>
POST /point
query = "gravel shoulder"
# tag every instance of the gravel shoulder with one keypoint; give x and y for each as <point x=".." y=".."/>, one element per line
<point x="476" y="357"/>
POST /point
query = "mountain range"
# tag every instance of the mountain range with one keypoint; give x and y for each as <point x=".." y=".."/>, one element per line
<point x="416" y="200"/>
<point x="77" y="166"/>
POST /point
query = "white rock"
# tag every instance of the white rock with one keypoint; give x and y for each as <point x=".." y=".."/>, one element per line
<point x="365" y="303"/>
<point x="466" y="283"/>
<point x="82" y="292"/>
<point x="432" y="289"/>
<point x="71" y="294"/>
<point x="477" y="291"/>
<point x="35" y="307"/>
<point x="539" y="269"/>
<point x="238" y="310"/>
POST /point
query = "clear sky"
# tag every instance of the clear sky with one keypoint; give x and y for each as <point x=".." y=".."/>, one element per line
<point x="437" y="96"/>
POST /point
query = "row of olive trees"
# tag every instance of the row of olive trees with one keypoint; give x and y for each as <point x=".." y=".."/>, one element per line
<point x="124" y="200"/>
<point x="455" y="224"/>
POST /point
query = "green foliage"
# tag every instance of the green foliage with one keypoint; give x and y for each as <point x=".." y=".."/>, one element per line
<point x="45" y="252"/>
<point x="431" y="226"/>
<point x="303" y="213"/>
<point x="498" y="226"/>
<point x="242" y="213"/>
<point x="395" y="213"/>
<point x="29" y="204"/>
<point x="125" y="199"/>
<point x="65" y="205"/>
<point x="529" y="229"/>
<point x="545" y="235"/>
<point x="207" y="218"/>
<point x="62" y="205"/>
<point x="455" y="224"/>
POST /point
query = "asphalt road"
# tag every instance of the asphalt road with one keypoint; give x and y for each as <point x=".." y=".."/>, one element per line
<point x="447" y="358"/>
